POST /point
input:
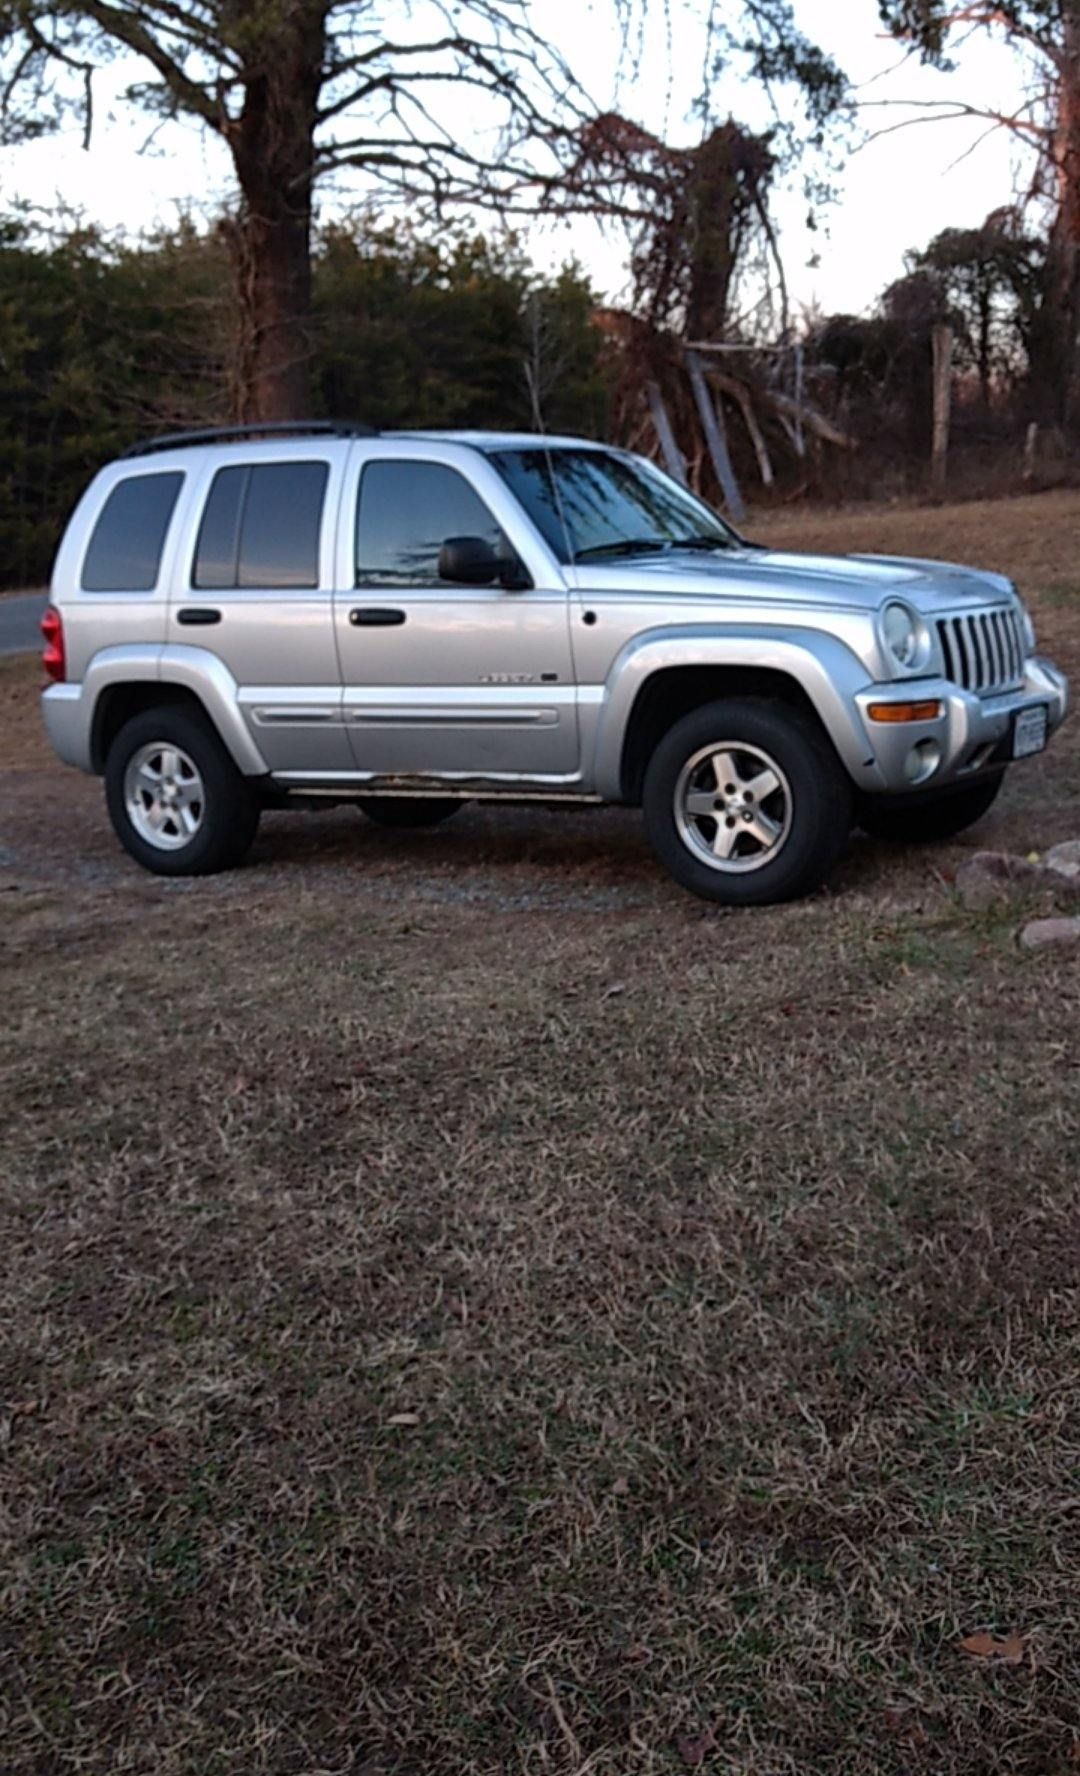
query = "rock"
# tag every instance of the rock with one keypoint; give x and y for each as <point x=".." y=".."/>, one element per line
<point x="990" y="876"/>
<point x="1065" y="859"/>
<point x="1042" y="933"/>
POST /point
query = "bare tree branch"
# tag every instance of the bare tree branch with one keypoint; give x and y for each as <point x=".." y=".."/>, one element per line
<point x="302" y="89"/>
<point x="951" y="111"/>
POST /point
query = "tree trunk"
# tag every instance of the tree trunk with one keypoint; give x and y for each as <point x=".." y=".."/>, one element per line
<point x="729" y="183"/>
<point x="986" y="322"/>
<point x="273" y="146"/>
<point x="712" y="224"/>
<point x="1055" y="334"/>
<point x="941" y="342"/>
<point x="272" y="244"/>
<point x="1053" y="348"/>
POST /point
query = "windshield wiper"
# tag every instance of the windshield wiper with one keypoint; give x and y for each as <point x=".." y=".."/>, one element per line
<point x="625" y="546"/>
<point x="701" y="542"/>
<point x="653" y="546"/>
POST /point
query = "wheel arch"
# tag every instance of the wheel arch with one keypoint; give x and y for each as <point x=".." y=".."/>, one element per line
<point x="661" y="678"/>
<point x="669" y="694"/>
<point x="117" y="703"/>
<point x="190" y="678"/>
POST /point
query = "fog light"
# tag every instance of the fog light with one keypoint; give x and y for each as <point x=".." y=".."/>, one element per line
<point x="922" y="761"/>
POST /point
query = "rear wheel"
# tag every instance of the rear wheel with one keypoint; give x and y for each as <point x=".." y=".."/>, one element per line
<point x="177" y="802"/>
<point x="934" y="817"/>
<point x="745" y="802"/>
<point x="403" y="811"/>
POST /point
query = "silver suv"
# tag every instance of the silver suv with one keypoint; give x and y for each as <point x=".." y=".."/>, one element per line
<point x="308" y="614"/>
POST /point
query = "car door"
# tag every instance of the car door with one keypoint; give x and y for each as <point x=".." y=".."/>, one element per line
<point x="257" y="592"/>
<point x="449" y="681"/>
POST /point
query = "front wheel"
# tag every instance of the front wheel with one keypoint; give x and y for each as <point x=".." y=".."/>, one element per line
<point x="932" y="817"/>
<point x="745" y="802"/>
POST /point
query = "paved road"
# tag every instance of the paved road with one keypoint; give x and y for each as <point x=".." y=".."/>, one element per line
<point x="19" y="615"/>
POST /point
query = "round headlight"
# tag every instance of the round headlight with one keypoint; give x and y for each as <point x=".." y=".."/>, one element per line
<point x="901" y="634"/>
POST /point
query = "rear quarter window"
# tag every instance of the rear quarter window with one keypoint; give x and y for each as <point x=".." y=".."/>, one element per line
<point x="126" y="543"/>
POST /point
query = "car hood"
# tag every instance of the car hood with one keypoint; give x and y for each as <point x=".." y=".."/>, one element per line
<point x="856" y="582"/>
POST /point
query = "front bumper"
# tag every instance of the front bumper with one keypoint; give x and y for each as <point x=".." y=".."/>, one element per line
<point x="973" y="733"/>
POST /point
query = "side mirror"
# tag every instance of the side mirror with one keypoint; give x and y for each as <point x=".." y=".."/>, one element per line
<point x="468" y="561"/>
<point x="471" y="561"/>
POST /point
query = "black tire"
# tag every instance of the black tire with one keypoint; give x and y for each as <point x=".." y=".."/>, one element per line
<point x="229" y="806"/>
<point x="402" y="811"/>
<point x="815" y="805"/>
<point x="932" y="818"/>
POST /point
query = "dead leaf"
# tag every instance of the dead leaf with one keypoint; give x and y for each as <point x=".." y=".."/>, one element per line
<point x="404" y="1418"/>
<point x="612" y="993"/>
<point x="694" y="1751"/>
<point x="638" y="1655"/>
<point x="1009" y="1651"/>
<point x="621" y="1486"/>
<point x="901" y="1722"/>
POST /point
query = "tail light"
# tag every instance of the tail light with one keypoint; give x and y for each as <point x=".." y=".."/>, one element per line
<point x="52" y="657"/>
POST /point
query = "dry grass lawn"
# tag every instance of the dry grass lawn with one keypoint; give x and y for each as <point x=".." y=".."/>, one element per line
<point x="467" y="1308"/>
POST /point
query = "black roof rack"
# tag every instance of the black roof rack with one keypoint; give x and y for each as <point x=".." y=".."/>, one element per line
<point x="270" y="428"/>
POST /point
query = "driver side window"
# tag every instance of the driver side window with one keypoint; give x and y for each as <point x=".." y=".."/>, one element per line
<point x="406" y="512"/>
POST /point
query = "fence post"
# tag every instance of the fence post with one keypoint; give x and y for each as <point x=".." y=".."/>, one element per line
<point x="713" y="426"/>
<point x="943" y="348"/>
<point x="669" y="449"/>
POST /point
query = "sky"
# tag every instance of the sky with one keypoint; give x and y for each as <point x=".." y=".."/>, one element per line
<point x="894" y="193"/>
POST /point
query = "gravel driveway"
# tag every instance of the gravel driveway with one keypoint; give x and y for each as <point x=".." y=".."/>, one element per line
<point x="20" y="614"/>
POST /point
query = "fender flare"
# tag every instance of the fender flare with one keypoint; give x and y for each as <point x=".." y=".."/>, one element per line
<point x="193" y="669"/>
<point x="826" y="670"/>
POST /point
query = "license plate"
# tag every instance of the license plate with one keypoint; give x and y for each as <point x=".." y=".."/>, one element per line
<point x="1029" y="732"/>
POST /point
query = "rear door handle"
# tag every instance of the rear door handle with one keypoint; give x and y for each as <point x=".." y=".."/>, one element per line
<point x="192" y="615"/>
<point x="372" y="617"/>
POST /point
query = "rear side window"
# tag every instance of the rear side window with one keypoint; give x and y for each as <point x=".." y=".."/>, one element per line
<point x="261" y="526"/>
<point x="125" y="548"/>
<point x="407" y="511"/>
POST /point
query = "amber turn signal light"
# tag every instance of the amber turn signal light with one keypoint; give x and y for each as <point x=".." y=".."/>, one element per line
<point x="905" y="712"/>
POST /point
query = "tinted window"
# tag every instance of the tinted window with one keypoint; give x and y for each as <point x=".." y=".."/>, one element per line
<point x="593" y="501"/>
<point x="279" y="533"/>
<point x="218" y="549"/>
<point x="125" y="549"/>
<point x="407" y="511"/>
<point x="261" y="526"/>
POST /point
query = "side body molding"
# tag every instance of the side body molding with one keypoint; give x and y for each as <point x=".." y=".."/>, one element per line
<point x="827" y="671"/>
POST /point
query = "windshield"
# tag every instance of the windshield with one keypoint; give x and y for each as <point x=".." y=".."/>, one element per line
<point x="588" y="504"/>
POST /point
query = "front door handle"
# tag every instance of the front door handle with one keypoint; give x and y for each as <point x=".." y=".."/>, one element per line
<point x="372" y="617"/>
<point x="192" y="615"/>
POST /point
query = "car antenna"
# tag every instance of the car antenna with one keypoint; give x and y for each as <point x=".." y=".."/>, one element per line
<point x="533" y="381"/>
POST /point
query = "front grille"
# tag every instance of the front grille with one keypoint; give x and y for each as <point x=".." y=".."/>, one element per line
<point x="984" y="652"/>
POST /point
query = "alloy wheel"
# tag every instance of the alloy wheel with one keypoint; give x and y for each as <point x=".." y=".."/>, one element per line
<point x="164" y="795"/>
<point x="733" y="806"/>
